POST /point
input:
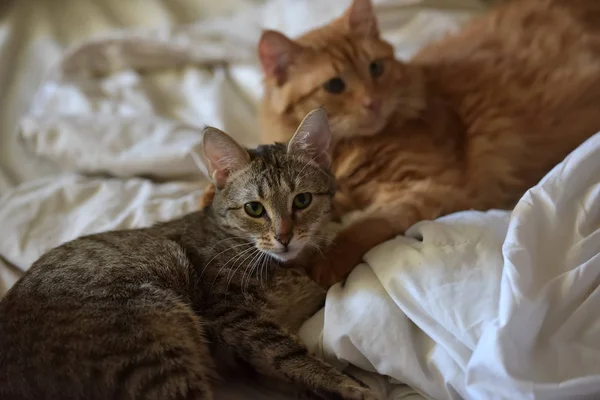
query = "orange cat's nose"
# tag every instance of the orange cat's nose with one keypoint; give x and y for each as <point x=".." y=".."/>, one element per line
<point x="372" y="104"/>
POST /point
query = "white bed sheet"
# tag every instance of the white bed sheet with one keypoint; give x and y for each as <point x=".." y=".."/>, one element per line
<point x="35" y="33"/>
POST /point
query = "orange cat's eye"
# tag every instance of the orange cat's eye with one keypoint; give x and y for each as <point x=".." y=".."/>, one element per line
<point x="376" y="68"/>
<point x="335" y="85"/>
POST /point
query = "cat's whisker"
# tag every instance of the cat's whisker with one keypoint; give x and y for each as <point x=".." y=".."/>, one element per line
<point x="246" y="277"/>
<point x="237" y="266"/>
<point x="263" y="264"/>
<point x="316" y="246"/>
<point x="253" y="271"/>
<point x="320" y="237"/>
<point x="228" y="238"/>
<point x="235" y="257"/>
<point x="212" y="259"/>
<point x="264" y="257"/>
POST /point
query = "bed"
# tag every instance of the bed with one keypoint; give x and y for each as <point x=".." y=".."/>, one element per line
<point x="104" y="134"/>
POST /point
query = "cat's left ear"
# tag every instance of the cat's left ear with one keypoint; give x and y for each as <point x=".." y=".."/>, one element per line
<point x="360" y="19"/>
<point x="276" y="52"/>
<point x="223" y="155"/>
<point x="313" y="138"/>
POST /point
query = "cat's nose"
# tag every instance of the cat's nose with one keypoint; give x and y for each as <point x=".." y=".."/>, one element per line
<point x="284" y="231"/>
<point x="284" y="238"/>
<point x="372" y="104"/>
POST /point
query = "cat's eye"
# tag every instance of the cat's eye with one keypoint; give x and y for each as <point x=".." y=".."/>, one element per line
<point x="254" y="209"/>
<point x="302" y="200"/>
<point x="376" y="68"/>
<point x="335" y="85"/>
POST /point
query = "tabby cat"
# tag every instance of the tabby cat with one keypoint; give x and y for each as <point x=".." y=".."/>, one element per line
<point x="150" y="313"/>
<point x="471" y="122"/>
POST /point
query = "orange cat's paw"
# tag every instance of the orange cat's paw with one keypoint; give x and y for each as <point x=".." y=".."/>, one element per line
<point x="339" y="260"/>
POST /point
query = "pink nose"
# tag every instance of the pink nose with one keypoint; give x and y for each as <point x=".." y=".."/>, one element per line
<point x="372" y="104"/>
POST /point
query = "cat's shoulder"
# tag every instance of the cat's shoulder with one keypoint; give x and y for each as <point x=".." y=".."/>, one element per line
<point x="119" y="253"/>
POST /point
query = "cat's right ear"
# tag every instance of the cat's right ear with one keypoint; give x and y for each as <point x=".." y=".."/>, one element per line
<point x="276" y="52"/>
<point x="361" y="19"/>
<point x="313" y="138"/>
<point x="223" y="155"/>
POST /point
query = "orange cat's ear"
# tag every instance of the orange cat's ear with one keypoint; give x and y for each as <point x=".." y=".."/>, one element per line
<point x="276" y="52"/>
<point x="313" y="138"/>
<point x="222" y="155"/>
<point x="360" y="18"/>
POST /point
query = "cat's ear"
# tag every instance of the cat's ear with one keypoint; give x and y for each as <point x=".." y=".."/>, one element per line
<point x="360" y="19"/>
<point x="276" y="52"/>
<point x="223" y="155"/>
<point x="313" y="138"/>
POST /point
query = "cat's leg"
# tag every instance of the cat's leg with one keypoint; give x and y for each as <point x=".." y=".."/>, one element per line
<point x="394" y="208"/>
<point x="293" y="297"/>
<point x="405" y="204"/>
<point x="263" y="343"/>
<point x="167" y="357"/>
<point x="348" y="248"/>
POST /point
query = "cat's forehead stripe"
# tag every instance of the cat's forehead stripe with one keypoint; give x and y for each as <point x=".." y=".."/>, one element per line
<point x="345" y="52"/>
<point x="274" y="173"/>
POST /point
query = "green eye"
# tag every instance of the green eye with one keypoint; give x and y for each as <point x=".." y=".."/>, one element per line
<point x="254" y="209"/>
<point x="302" y="201"/>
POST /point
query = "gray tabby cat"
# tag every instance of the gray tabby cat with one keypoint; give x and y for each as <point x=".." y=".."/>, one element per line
<point x="147" y="313"/>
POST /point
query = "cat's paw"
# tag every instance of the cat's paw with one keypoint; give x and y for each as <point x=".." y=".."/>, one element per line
<point x="350" y="390"/>
<point x="358" y="393"/>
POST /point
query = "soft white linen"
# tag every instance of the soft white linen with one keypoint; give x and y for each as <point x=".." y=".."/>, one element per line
<point x="35" y="33"/>
<point x="483" y="305"/>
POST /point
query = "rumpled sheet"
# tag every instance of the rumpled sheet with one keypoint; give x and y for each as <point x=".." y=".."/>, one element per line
<point x="33" y="37"/>
<point x="474" y="305"/>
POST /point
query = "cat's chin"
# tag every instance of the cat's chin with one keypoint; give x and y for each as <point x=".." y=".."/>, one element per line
<point x="368" y="127"/>
<point x="285" y="256"/>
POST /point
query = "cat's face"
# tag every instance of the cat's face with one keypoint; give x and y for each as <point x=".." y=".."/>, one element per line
<point x="344" y="66"/>
<point x="278" y="196"/>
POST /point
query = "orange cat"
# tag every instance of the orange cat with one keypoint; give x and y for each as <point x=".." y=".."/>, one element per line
<point x="471" y="122"/>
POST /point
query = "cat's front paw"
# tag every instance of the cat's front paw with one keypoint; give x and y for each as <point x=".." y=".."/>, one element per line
<point x="335" y="266"/>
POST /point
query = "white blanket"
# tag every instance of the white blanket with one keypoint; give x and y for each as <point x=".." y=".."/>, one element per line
<point x="483" y="305"/>
<point x="474" y="305"/>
